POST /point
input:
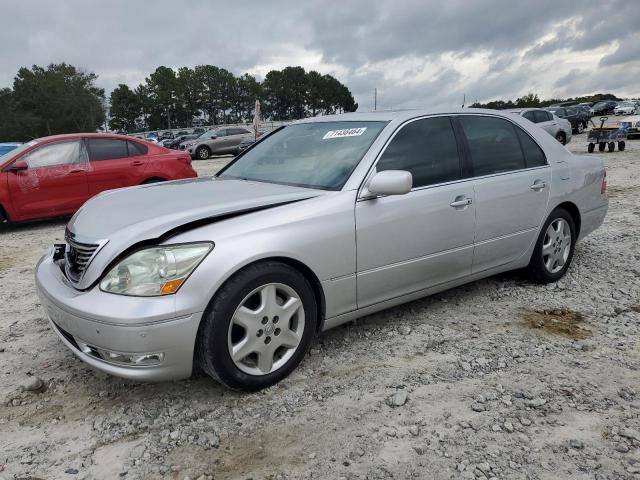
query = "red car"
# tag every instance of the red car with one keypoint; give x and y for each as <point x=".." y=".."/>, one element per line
<point x="54" y="176"/>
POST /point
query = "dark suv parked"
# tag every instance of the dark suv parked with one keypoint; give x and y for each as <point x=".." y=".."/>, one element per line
<point x="578" y="118"/>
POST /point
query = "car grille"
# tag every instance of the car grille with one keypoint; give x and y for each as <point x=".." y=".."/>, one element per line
<point x="77" y="258"/>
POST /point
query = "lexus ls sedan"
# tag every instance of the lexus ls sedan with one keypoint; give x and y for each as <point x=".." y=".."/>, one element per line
<point x="320" y="222"/>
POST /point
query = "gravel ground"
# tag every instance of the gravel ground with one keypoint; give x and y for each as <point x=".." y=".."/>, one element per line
<point x="495" y="379"/>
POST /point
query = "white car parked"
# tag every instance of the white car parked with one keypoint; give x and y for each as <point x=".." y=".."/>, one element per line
<point x="557" y="127"/>
<point x="626" y="108"/>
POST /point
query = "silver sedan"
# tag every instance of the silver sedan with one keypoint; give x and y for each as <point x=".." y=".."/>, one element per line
<point x="323" y="221"/>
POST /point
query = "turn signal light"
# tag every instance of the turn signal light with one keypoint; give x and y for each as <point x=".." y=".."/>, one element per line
<point x="171" y="286"/>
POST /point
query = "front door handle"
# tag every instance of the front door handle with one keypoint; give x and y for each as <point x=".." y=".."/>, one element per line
<point x="538" y="185"/>
<point x="461" y="201"/>
<point x="136" y="163"/>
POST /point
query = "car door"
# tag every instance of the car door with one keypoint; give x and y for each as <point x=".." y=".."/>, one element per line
<point x="55" y="182"/>
<point x="111" y="164"/>
<point x="546" y="121"/>
<point x="221" y="144"/>
<point x="410" y="242"/>
<point x="511" y="186"/>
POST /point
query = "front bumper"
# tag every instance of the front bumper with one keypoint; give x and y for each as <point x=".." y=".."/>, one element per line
<point x="128" y="325"/>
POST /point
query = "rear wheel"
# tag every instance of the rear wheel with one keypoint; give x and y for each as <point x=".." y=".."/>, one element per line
<point x="561" y="137"/>
<point x="621" y="145"/>
<point x="554" y="248"/>
<point x="581" y="127"/>
<point x="258" y="327"/>
<point x="612" y="146"/>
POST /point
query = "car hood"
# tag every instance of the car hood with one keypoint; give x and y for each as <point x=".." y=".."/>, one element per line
<point x="119" y="219"/>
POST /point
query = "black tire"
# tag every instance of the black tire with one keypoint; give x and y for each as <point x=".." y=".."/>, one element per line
<point x="212" y="352"/>
<point x="591" y="147"/>
<point x="621" y="145"/>
<point x="612" y="146"/>
<point x="536" y="270"/>
<point x="4" y="220"/>
<point x="602" y="146"/>
<point x="581" y="127"/>
<point x="202" y="153"/>
<point x="561" y="137"/>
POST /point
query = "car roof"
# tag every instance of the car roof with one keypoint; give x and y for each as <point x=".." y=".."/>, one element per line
<point x="64" y="136"/>
<point x="402" y="115"/>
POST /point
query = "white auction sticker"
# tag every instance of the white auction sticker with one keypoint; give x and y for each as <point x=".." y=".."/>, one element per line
<point x="347" y="132"/>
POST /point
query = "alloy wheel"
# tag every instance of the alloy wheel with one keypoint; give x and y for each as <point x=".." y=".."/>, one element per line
<point x="556" y="245"/>
<point x="203" y="153"/>
<point x="580" y="127"/>
<point x="266" y="329"/>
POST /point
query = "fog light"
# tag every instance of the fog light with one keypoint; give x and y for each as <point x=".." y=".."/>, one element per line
<point x="130" y="359"/>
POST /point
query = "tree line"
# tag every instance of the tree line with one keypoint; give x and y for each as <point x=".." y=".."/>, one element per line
<point x="62" y="98"/>
<point x="212" y="95"/>
<point x="532" y="100"/>
<point x="46" y="101"/>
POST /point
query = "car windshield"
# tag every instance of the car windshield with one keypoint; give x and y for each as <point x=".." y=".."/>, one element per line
<point x="600" y="104"/>
<point x="313" y="155"/>
<point x="16" y="151"/>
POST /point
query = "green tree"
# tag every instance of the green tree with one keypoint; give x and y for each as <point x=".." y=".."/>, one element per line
<point x="161" y="88"/>
<point x="126" y="109"/>
<point x="57" y="99"/>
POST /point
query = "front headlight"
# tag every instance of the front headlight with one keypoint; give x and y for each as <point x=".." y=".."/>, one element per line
<point x="155" y="271"/>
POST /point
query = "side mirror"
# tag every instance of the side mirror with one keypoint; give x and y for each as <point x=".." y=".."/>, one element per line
<point x="18" y="167"/>
<point x="391" y="182"/>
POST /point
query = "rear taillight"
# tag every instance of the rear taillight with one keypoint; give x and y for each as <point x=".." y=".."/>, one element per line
<point x="603" y="189"/>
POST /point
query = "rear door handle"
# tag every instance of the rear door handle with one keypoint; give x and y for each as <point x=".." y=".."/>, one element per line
<point x="538" y="185"/>
<point x="461" y="201"/>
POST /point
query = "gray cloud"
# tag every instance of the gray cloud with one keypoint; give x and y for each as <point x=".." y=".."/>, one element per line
<point x="416" y="52"/>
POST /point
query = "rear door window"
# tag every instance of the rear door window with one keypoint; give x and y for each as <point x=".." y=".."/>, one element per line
<point x="533" y="154"/>
<point x="106" y="148"/>
<point x="136" y="149"/>
<point x="427" y="148"/>
<point x="542" y="116"/>
<point x="493" y="145"/>
<point x="530" y="115"/>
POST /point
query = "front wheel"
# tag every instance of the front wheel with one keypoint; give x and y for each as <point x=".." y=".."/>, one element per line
<point x="561" y="137"/>
<point x="202" y="153"/>
<point x="554" y="248"/>
<point x="258" y="327"/>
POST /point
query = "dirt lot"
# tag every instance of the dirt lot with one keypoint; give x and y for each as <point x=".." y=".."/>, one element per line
<point x="499" y="378"/>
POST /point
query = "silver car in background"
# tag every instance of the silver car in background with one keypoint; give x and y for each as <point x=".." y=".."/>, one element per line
<point x="321" y="222"/>
<point x="218" y="141"/>
<point x="558" y="128"/>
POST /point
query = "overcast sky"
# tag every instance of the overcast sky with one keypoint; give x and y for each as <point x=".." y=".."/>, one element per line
<point x="417" y="53"/>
